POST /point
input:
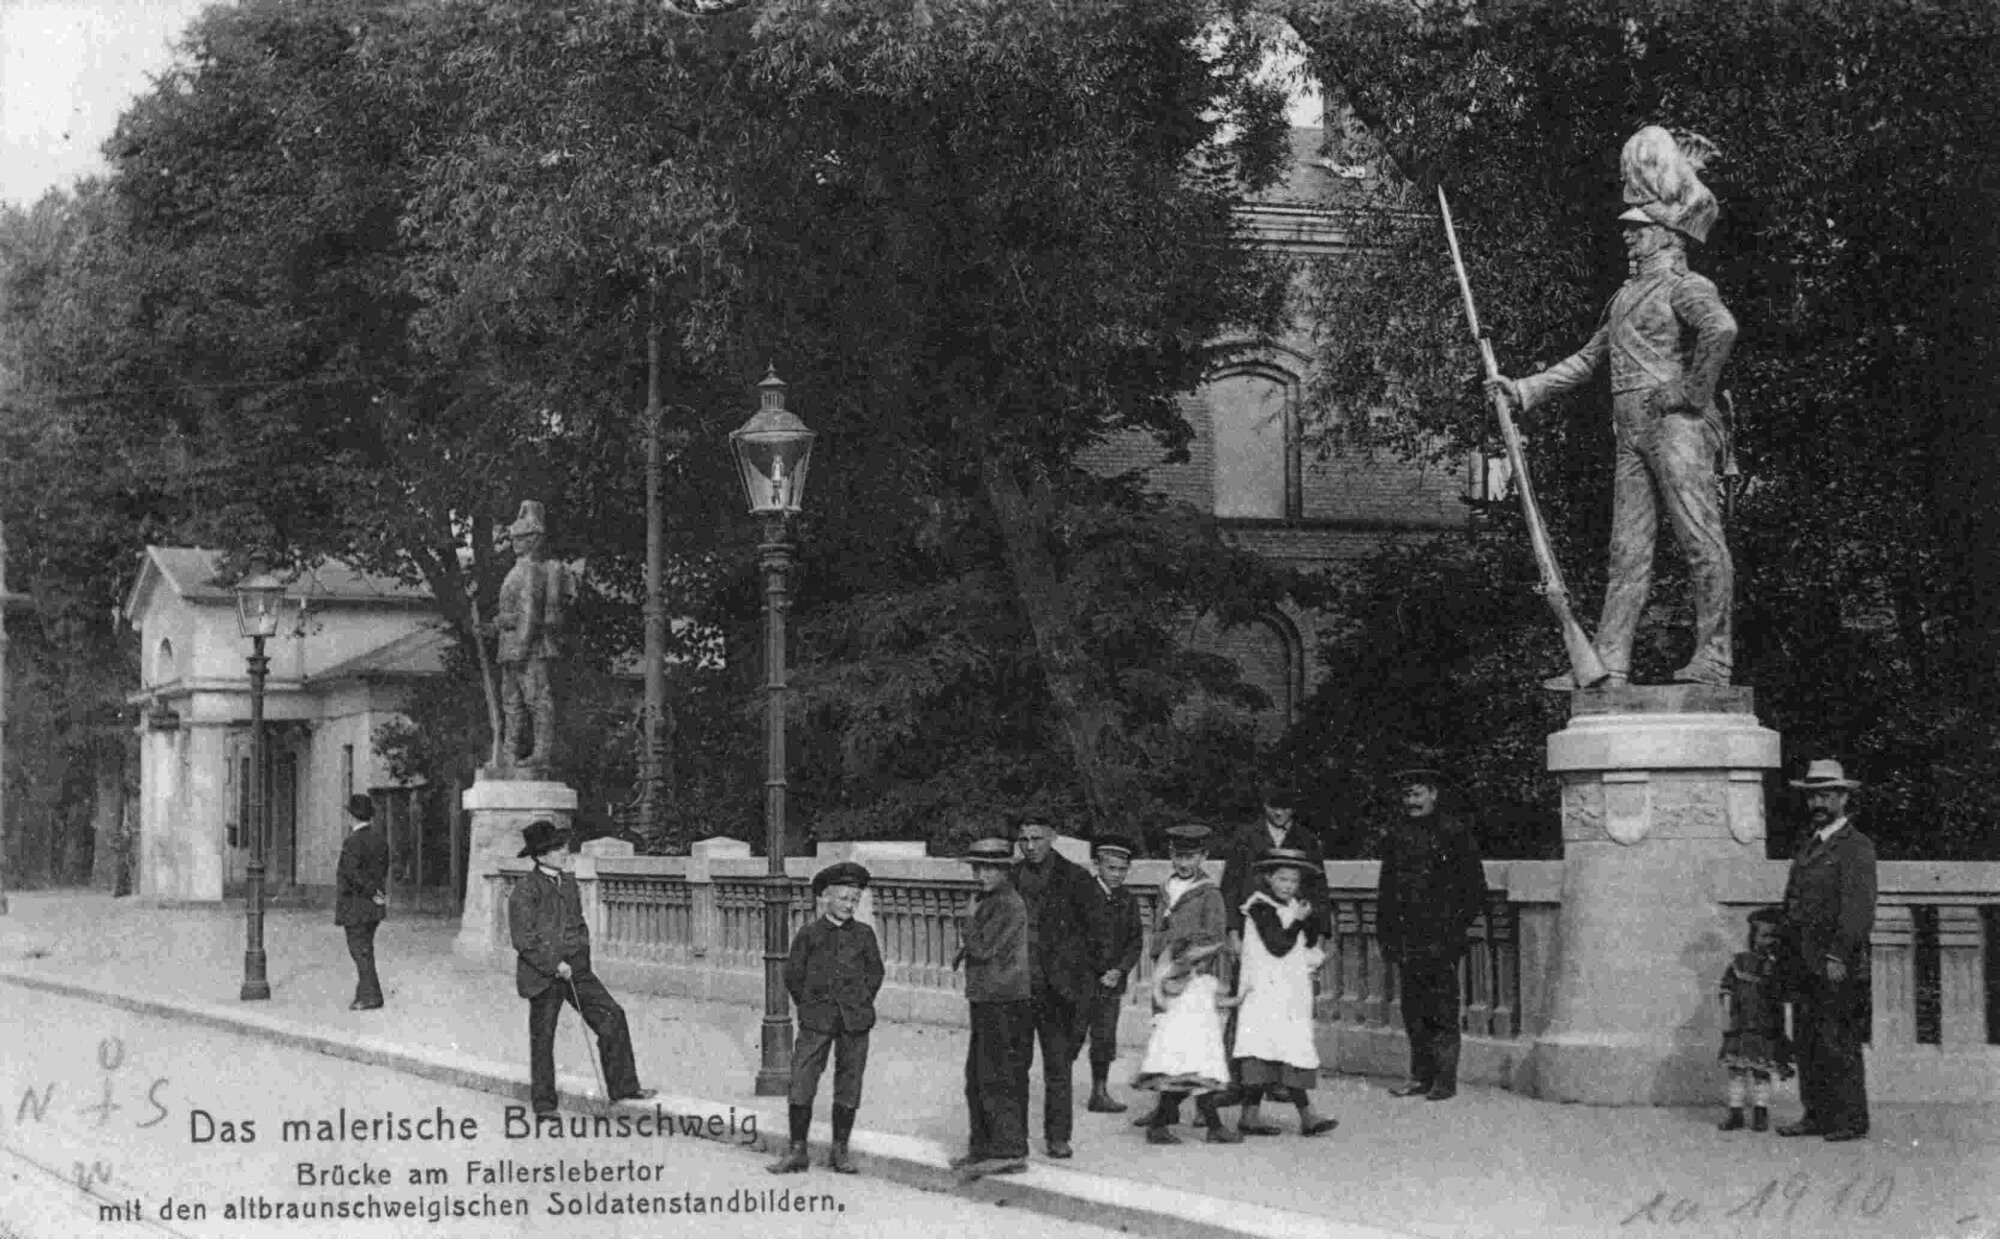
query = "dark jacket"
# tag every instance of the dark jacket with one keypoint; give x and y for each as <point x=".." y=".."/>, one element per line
<point x="546" y="917"/>
<point x="1431" y="889"/>
<point x="362" y="874"/>
<point x="1124" y="936"/>
<point x="1066" y="925"/>
<point x="996" y="948"/>
<point x="833" y="974"/>
<point x="1830" y="901"/>
<point x="1239" y="869"/>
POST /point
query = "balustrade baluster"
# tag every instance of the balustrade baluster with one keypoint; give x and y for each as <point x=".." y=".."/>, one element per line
<point x="1961" y="935"/>
<point x="1893" y="964"/>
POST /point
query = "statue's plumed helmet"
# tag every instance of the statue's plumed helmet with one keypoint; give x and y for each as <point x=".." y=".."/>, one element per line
<point x="1662" y="180"/>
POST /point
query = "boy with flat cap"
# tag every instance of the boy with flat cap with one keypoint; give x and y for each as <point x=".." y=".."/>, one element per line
<point x="1119" y="956"/>
<point x="833" y="974"/>
<point x="552" y="949"/>
<point x="1001" y="996"/>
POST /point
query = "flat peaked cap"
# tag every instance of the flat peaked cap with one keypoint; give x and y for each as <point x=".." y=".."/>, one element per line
<point x="1284" y="858"/>
<point x="1281" y="796"/>
<point x="1429" y="776"/>
<point x="1768" y="916"/>
<point x="1112" y="845"/>
<point x="1825" y="773"/>
<point x="361" y="807"/>
<point x="845" y="873"/>
<point x="990" y="852"/>
<point x="1193" y="835"/>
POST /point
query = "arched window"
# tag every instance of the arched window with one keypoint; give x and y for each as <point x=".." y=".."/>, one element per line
<point x="1256" y="459"/>
<point x="1268" y="654"/>
<point x="163" y="662"/>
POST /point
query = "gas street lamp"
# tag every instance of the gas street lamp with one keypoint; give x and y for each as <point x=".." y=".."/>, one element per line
<point x="772" y="451"/>
<point x="259" y="596"/>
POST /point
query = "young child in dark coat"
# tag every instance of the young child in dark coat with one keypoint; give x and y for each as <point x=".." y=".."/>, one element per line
<point x="1000" y="994"/>
<point x="833" y="973"/>
<point x="1754" y="1045"/>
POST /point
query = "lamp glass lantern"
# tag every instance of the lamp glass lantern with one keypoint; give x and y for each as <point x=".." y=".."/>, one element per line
<point x="259" y="598"/>
<point x="773" y="450"/>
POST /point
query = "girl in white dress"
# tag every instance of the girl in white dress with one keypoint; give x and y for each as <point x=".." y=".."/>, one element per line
<point x="1275" y="1054"/>
<point x="1185" y="1054"/>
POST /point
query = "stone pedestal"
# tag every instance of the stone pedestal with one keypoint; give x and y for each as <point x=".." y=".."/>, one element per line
<point x="501" y="809"/>
<point x="1661" y="787"/>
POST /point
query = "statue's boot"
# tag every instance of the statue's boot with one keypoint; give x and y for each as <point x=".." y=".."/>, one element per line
<point x="1702" y="673"/>
<point x="1566" y="682"/>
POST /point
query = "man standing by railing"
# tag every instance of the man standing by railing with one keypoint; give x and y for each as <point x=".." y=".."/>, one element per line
<point x="1830" y="913"/>
<point x="1431" y="890"/>
<point x="1065" y="937"/>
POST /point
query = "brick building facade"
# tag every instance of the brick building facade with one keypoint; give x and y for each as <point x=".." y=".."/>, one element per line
<point x="1250" y="465"/>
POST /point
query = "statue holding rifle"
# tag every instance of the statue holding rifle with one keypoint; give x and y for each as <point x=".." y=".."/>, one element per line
<point x="1664" y="337"/>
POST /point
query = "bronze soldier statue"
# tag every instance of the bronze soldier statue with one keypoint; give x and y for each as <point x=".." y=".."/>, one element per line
<point x="534" y="602"/>
<point x="1665" y="337"/>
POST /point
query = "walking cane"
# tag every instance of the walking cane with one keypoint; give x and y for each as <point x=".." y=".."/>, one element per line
<point x="590" y="1039"/>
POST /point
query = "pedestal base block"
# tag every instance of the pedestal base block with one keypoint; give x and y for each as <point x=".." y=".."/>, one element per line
<point x="501" y="810"/>
<point x="1661" y="787"/>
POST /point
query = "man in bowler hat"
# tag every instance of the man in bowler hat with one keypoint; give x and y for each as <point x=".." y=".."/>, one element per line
<point x="1431" y="889"/>
<point x="1830" y="913"/>
<point x="361" y="897"/>
<point x="552" y="949"/>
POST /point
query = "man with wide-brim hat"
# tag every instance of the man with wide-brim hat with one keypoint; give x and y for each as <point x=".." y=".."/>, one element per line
<point x="833" y="972"/>
<point x="552" y="966"/>
<point x="1664" y="339"/>
<point x="1430" y="891"/>
<point x="994" y="949"/>
<point x="1830" y="913"/>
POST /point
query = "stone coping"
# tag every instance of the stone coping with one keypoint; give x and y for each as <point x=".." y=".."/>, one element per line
<point x="1664" y="699"/>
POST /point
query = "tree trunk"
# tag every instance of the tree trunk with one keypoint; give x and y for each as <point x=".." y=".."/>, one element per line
<point x="1026" y="518"/>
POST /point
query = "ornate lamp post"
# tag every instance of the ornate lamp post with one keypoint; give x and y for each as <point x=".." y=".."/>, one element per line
<point x="772" y="451"/>
<point x="259" y="596"/>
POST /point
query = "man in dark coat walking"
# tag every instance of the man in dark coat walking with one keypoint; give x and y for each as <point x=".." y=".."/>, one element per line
<point x="1065" y="933"/>
<point x="1118" y="956"/>
<point x="552" y="966"/>
<point x="361" y="898"/>
<point x="1431" y="889"/>
<point x="1830" y="913"/>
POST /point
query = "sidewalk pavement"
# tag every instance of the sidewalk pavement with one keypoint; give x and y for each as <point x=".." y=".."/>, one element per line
<point x="1488" y="1163"/>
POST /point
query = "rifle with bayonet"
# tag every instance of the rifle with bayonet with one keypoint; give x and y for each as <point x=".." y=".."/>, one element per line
<point x="1585" y="665"/>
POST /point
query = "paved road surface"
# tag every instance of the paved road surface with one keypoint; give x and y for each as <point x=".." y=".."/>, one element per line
<point x="101" y="1108"/>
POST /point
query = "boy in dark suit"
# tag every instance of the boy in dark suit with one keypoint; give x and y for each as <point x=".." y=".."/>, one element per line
<point x="552" y="948"/>
<point x="833" y="974"/>
<point x="1116" y="960"/>
<point x="361" y="897"/>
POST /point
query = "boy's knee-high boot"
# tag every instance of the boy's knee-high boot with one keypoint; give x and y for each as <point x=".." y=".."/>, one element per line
<point x="1101" y="1101"/>
<point x="794" y="1158"/>
<point x="843" y="1126"/>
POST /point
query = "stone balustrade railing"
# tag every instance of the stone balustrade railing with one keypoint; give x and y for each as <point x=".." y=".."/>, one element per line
<point x="694" y="925"/>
